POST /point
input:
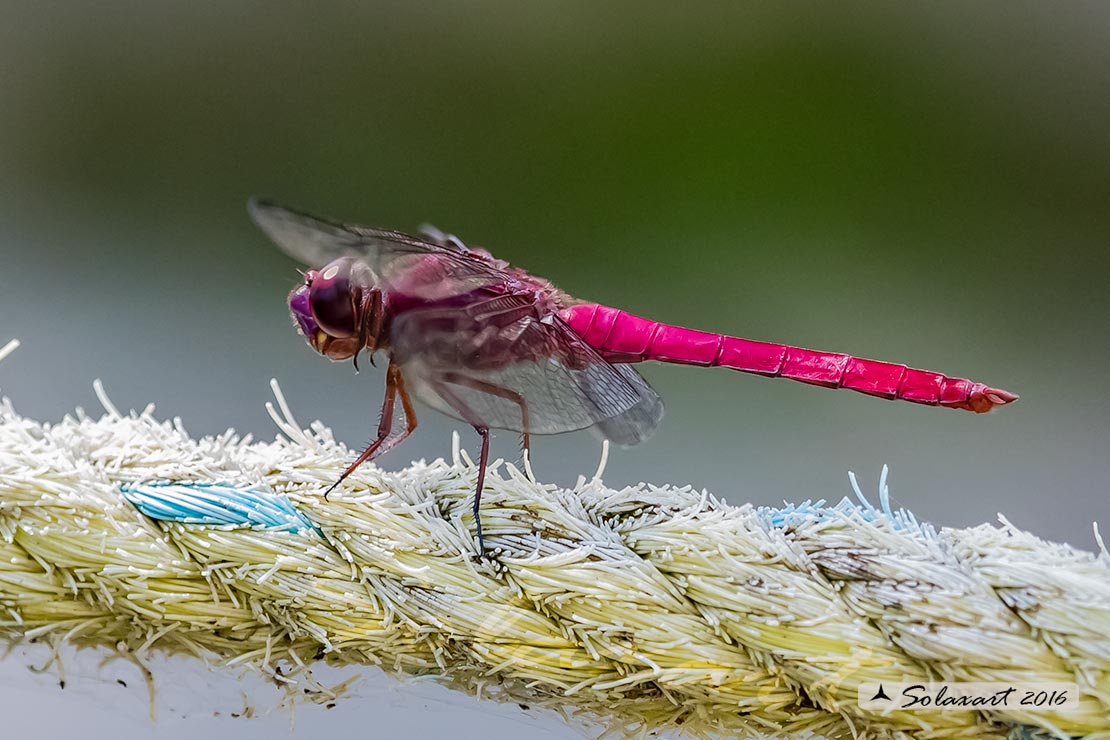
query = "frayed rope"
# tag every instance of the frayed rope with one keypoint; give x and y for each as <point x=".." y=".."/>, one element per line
<point x="649" y="608"/>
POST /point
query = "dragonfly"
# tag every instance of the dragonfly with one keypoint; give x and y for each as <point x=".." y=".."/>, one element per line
<point x="492" y="346"/>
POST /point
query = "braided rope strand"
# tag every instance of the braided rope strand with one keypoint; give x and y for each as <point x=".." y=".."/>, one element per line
<point x="649" y="607"/>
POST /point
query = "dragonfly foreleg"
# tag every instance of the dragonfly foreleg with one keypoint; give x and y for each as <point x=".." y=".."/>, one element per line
<point x="371" y="325"/>
<point x="394" y="386"/>
<point x="409" y="414"/>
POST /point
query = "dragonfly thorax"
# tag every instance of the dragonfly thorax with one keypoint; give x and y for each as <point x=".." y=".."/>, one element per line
<point x="339" y="309"/>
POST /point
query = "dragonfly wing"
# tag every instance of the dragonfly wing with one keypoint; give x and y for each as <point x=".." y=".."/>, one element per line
<point x="638" y="421"/>
<point x="495" y="373"/>
<point x="305" y="238"/>
<point x="407" y="263"/>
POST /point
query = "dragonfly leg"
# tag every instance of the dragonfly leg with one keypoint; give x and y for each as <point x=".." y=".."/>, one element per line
<point x="410" y="418"/>
<point x="496" y="390"/>
<point x="371" y="325"/>
<point x="482" y="460"/>
<point x="483" y="430"/>
<point x="394" y="386"/>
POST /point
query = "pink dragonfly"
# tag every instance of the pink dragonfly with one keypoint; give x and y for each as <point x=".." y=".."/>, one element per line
<point x="497" y="348"/>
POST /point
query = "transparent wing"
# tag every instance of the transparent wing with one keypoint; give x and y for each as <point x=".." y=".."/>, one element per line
<point x="407" y="263"/>
<point x="521" y="374"/>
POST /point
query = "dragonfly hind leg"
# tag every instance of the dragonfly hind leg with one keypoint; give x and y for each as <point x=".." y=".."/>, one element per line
<point x="496" y="390"/>
<point x="482" y="461"/>
<point x="482" y="428"/>
<point x="394" y="388"/>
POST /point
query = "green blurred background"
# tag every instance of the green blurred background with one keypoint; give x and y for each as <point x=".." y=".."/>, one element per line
<point x="925" y="185"/>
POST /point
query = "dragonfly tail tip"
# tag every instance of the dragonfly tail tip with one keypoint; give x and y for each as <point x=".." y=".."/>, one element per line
<point x="987" y="399"/>
<point x="1001" y="397"/>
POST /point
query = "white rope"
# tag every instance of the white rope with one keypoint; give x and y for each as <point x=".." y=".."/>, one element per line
<point x="648" y="607"/>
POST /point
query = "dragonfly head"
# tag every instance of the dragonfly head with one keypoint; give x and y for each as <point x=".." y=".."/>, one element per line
<point x="338" y="309"/>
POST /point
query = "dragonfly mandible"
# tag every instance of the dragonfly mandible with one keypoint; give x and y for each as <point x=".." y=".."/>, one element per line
<point x="490" y="345"/>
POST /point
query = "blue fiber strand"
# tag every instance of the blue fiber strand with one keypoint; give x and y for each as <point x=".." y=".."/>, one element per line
<point x="791" y="515"/>
<point x="216" y="504"/>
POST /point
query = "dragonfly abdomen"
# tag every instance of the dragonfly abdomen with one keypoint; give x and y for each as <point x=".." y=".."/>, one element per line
<point x="623" y="337"/>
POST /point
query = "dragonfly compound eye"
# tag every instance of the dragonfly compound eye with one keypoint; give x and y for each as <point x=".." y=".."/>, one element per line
<point x="332" y="300"/>
<point x="302" y="312"/>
